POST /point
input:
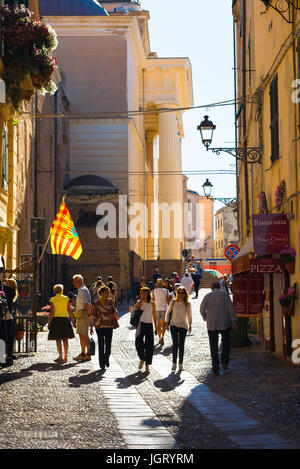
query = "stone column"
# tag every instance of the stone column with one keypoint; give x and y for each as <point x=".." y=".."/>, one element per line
<point x="170" y="186"/>
<point x="151" y="241"/>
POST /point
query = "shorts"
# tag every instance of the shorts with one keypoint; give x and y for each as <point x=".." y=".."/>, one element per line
<point x="82" y="324"/>
<point x="161" y="315"/>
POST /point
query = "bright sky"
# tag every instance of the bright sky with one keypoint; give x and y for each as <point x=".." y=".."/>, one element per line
<point x="203" y="31"/>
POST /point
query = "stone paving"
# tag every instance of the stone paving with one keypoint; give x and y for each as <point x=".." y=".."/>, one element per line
<point x="45" y="405"/>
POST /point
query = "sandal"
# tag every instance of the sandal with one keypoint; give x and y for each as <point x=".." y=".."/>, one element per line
<point x="59" y="360"/>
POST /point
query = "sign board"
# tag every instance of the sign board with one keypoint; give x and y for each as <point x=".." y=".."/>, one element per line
<point x="248" y="297"/>
<point x="270" y="233"/>
<point x="266" y="266"/>
<point x="231" y="251"/>
<point x="241" y="264"/>
<point x="25" y="298"/>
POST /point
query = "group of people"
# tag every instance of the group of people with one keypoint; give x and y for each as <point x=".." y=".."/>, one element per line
<point x="95" y="307"/>
<point x="172" y="311"/>
<point x="166" y="308"/>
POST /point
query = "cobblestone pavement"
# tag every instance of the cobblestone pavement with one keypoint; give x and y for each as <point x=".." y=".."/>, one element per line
<point x="44" y="405"/>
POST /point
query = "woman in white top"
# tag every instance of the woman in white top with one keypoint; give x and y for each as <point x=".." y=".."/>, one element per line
<point x="144" y="341"/>
<point x="161" y="298"/>
<point x="180" y="322"/>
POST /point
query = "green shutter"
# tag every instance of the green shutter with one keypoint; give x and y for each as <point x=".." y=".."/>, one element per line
<point x="5" y="159"/>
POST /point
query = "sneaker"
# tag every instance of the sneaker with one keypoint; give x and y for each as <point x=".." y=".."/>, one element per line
<point x="147" y="369"/>
<point x="181" y="368"/>
<point x="87" y="357"/>
<point x="141" y="364"/>
<point x="173" y="369"/>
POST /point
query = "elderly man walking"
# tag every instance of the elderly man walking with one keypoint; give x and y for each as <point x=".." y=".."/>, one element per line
<point x="218" y="311"/>
<point x="83" y="316"/>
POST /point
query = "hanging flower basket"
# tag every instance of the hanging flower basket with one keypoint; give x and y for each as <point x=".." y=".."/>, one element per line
<point x="279" y="195"/>
<point x="287" y="257"/>
<point x="27" y="59"/>
<point x="263" y="206"/>
<point x="287" y="301"/>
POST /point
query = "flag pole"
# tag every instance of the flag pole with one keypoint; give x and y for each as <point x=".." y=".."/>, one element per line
<point x="44" y="248"/>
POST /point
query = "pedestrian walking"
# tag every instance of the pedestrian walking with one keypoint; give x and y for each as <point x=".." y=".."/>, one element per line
<point x="174" y="292"/>
<point x="168" y="285"/>
<point x="7" y="322"/>
<point x="218" y="311"/>
<point x="179" y="319"/>
<point x="106" y="316"/>
<point x="143" y="284"/>
<point x="162" y="298"/>
<point x="59" y="323"/>
<point x="187" y="282"/>
<point x="83" y="316"/>
<point x="94" y="289"/>
<point x="196" y="279"/>
<point x="224" y="284"/>
<point x="144" y="341"/>
<point x="156" y="276"/>
<point x="113" y="289"/>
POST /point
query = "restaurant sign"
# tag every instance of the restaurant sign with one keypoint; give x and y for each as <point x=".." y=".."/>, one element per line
<point x="248" y="297"/>
<point x="270" y="233"/>
<point x="266" y="266"/>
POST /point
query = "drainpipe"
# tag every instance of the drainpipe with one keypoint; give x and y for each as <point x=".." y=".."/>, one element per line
<point x="244" y="78"/>
<point x="55" y="173"/>
<point x="235" y="126"/>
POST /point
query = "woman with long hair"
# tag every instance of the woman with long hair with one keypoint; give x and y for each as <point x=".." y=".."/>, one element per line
<point x="161" y="298"/>
<point x="59" y="323"/>
<point x="105" y="320"/>
<point x="7" y="323"/>
<point x="179" y="318"/>
<point x="144" y="341"/>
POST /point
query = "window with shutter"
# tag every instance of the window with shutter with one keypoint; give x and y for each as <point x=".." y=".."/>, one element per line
<point x="274" y="119"/>
<point x="5" y="159"/>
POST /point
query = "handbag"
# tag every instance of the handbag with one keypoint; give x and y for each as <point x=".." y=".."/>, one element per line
<point x="79" y="313"/>
<point x="92" y="346"/>
<point x="135" y="317"/>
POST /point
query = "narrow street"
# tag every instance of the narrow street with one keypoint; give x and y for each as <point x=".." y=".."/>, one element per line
<point x="45" y="405"/>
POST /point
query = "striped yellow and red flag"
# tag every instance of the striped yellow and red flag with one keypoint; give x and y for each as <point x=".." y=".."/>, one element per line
<point x="64" y="237"/>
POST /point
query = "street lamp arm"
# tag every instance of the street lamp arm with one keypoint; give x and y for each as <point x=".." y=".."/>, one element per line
<point x="249" y="155"/>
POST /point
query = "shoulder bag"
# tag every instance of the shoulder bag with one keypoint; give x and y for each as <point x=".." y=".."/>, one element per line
<point x="135" y="317"/>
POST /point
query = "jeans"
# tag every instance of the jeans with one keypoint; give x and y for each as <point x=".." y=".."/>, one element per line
<point x="214" y="348"/>
<point x="104" y="345"/>
<point x="178" y="337"/>
<point x="144" y="343"/>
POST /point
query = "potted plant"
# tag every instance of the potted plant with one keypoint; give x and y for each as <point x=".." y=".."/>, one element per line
<point x="279" y="195"/>
<point x="287" y="301"/>
<point x="43" y="316"/>
<point x="33" y="329"/>
<point x="287" y="257"/>
<point x="19" y="329"/>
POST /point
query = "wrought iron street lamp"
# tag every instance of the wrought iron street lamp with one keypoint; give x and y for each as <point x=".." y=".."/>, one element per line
<point x="249" y="155"/>
<point x="207" y="188"/>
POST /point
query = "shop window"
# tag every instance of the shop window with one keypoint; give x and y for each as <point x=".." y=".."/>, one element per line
<point x="5" y="159"/>
<point x="274" y="119"/>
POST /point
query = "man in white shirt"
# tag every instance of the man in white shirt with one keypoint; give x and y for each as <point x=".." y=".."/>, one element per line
<point x="218" y="311"/>
<point x="187" y="282"/>
<point x="84" y="308"/>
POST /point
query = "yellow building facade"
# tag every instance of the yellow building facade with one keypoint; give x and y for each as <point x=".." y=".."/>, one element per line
<point x="268" y="117"/>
